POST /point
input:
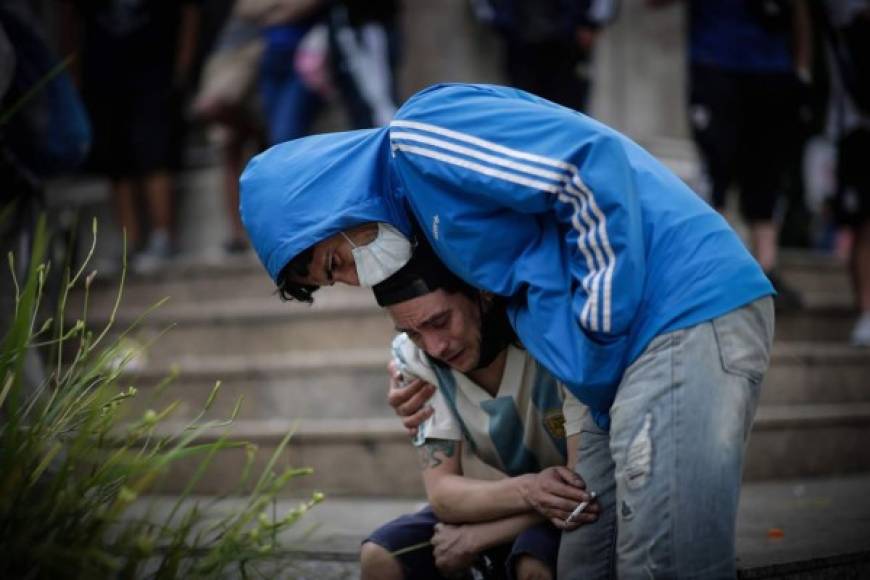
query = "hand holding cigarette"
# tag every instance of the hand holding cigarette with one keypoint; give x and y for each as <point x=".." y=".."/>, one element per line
<point x="580" y="508"/>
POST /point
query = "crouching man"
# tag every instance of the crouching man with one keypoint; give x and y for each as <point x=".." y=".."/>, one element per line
<point x="494" y="399"/>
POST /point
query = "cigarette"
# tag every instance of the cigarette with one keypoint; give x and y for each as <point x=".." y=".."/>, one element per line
<point x="580" y="507"/>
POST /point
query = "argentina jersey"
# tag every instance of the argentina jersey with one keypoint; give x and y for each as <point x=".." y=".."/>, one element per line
<point x="520" y="430"/>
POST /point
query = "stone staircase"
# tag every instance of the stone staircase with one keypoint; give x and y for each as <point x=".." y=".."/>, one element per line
<point x="319" y="370"/>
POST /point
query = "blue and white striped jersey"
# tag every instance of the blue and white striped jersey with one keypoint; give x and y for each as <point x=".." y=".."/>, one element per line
<point x="521" y="430"/>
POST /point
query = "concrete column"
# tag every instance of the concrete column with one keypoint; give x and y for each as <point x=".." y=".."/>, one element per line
<point x="640" y="73"/>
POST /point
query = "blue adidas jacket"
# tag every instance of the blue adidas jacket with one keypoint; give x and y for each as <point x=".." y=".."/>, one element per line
<point x="599" y="246"/>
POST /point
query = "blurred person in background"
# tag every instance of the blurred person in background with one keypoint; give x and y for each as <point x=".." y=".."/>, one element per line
<point x="749" y="66"/>
<point x="847" y="36"/>
<point x="44" y="131"/>
<point x="289" y="103"/>
<point x="364" y="40"/>
<point x="228" y="99"/>
<point x="549" y="44"/>
<point x="136" y="61"/>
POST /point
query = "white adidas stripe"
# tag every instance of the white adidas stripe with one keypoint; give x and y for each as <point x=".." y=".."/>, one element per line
<point x="586" y="318"/>
<point x="571" y="189"/>
<point x="591" y="282"/>
<point x="495" y="160"/>
<point x="465" y="163"/>
<point x="483" y="143"/>
<point x="581" y="210"/>
<point x="608" y="249"/>
<point x="590" y="319"/>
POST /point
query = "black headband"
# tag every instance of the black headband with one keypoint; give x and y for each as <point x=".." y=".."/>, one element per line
<point x="423" y="274"/>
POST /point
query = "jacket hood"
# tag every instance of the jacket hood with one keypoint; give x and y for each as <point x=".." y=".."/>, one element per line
<point x="298" y="193"/>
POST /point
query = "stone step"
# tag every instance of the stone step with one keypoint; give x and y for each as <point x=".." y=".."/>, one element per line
<point x="195" y="284"/>
<point x="808" y="441"/>
<point x="350" y="457"/>
<point x="187" y="280"/>
<point x="197" y="279"/>
<point x="299" y="385"/>
<point x="374" y="457"/>
<point x="825" y="525"/>
<point x="816" y="323"/>
<point x="343" y="320"/>
<point x="820" y="284"/>
<point x="816" y="372"/>
<point x="308" y="384"/>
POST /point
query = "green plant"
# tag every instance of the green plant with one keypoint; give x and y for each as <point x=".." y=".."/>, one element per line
<point x="73" y="462"/>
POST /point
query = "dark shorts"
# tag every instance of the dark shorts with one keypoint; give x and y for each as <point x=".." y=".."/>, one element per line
<point x="136" y="133"/>
<point x="556" y="70"/>
<point x="540" y="541"/>
<point x="747" y="132"/>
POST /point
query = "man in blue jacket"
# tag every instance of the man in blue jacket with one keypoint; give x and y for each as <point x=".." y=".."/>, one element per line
<point x="621" y="282"/>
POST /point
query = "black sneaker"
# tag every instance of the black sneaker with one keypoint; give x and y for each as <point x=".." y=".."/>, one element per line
<point x="236" y="246"/>
<point x="787" y="298"/>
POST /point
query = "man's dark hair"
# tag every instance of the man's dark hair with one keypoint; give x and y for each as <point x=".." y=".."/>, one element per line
<point x="297" y="268"/>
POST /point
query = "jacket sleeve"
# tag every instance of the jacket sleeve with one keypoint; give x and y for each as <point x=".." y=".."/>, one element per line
<point x="534" y="201"/>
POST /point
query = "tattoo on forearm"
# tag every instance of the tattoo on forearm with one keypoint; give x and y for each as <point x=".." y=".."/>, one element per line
<point x="435" y="451"/>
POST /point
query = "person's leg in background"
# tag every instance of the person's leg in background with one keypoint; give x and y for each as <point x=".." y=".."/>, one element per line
<point x="853" y="200"/>
<point x="237" y="133"/>
<point x="240" y="138"/>
<point x="860" y="266"/>
<point x="113" y="154"/>
<point x="159" y="204"/>
<point x="289" y="106"/>
<point x="561" y="73"/>
<point x="714" y="116"/>
<point x="364" y="61"/>
<point x="519" y="65"/>
<point x="768" y="152"/>
<point x="295" y="109"/>
<point x="228" y="102"/>
<point x="156" y="146"/>
<point x="126" y="211"/>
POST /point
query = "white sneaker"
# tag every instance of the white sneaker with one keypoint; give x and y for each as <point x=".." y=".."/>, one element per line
<point x="861" y="331"/>
<point x="157" y="252"/>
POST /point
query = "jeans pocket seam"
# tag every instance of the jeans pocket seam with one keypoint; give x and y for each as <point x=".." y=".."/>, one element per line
<point x="727" y="366"/>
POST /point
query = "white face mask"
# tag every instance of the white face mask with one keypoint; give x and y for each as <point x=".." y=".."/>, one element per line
<point x="382" y="257"/>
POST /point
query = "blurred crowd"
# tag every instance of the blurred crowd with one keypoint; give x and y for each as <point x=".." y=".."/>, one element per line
<point x="778" y="97"/>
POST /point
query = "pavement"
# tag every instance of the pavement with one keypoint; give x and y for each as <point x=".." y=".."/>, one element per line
<point x="808" y="528"/>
